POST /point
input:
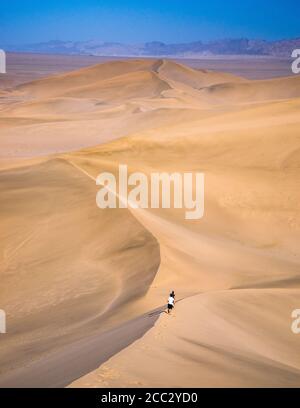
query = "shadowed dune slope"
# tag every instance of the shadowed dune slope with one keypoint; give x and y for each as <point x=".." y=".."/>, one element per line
<point x="64" y="269"/>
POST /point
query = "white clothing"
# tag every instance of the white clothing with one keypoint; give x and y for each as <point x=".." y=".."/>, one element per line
<point x="171" y="301"/>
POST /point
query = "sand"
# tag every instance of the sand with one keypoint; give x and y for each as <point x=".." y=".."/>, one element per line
<point x="71" y="272"/>
<point x="212" y="340"/>
<point x="25" y="67"/>
<point x="60" y="368"/>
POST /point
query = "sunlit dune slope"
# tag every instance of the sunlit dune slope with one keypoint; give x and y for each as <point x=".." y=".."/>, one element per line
<point x="249" y="233"/>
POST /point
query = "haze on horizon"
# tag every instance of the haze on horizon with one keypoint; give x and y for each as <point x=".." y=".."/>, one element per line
<point x="136" y="21"/>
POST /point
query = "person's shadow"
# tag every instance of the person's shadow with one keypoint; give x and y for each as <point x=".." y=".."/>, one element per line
<point x="161" y="309"/>
<point x="158" y="311"/>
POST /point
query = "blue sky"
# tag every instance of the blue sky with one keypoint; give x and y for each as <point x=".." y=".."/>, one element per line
<point x="26" y="21"/>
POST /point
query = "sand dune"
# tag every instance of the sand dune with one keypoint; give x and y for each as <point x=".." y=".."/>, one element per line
<point x="70" y="269"/>
<point x="118" y="71"/>
<point x="25" y="67"/>
<point x="54" y="288"/>
<point x="84" y="77"/>
<point x="254" y="91"/>
<point x="212" y="340"/>
<point x="181" y="74"/>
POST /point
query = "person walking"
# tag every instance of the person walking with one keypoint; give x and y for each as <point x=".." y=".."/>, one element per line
<point x="171" y="301"/>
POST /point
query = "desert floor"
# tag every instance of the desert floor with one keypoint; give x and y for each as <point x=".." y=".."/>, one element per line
<point x="85" y="289"/>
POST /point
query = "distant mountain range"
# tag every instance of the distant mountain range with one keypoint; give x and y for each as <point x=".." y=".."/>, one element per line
<point x="243" y="46"/>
